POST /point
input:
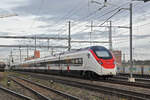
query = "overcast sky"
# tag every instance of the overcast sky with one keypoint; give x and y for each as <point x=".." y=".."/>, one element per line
<point x="50" y="18"/>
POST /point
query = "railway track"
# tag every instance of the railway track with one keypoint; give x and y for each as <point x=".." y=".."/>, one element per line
<point x="146" y="76"/>
<point x="122" y="91"/>
<point x="45" y="93"/>
<point x="142" y="80"/>
<point x="125" y="82"/>
<point x="14" y="94"/>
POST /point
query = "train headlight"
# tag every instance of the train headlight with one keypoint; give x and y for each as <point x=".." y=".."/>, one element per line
<point x="100" y="62"/>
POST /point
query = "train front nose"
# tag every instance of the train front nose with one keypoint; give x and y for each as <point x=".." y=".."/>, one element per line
<point x="108" y="63"/>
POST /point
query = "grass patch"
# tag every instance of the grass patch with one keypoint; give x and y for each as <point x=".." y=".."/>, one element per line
<point x="4" y="78"/>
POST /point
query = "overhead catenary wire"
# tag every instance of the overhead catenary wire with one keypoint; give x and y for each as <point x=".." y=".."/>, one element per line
<point x="119" y="9"/>
<point x="105" y="15"/>
<point x="108" y="13"/>
<point x="89" y="15"/>
<point x="75" y="26"/>
<point x="92" y="13"/>
<point x="104" y="21"/>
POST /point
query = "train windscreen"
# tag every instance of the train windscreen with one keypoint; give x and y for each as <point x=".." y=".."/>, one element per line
<point x="102" y="53"/>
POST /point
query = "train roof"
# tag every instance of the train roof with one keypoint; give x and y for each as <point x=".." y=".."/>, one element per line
<point x="91" y="47"/>
<point x="83" y="49"/>
<point x="97" y="47"/>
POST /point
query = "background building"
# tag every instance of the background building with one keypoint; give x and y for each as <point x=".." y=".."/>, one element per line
<point x="118" y="57"/>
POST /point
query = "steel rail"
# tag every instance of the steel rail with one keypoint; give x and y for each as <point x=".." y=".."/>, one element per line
<point x="42" y="97"/>
<point x="15" y="93"/>
<point x="50" y="89"/>
<point x="125" y="82"/>
<point x="110" y="90"/>
<point x="143" y="80"/>
<point x="135" y="75"/>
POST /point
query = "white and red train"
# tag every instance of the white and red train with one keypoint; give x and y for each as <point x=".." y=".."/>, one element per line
<point x="88" y="62"/>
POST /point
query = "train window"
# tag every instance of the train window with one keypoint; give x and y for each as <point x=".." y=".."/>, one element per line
<point x="68" y="61"/>
<point x="38" y="64"/>
<point x="49" y="62"/>
<point x="53" y="62"/>
<point x="80" y="61"/>
<point x="75" y="61"/>
<point x="65" y="61"/>
<point x="103" y="54"/>
<point x="72" y="61"/>
<point x="61" y="62"/>
<point x="35" y="65"/>
<point x="57" y="63"/>
<point x="32" y="65"/>
<point x="42" y="64"/>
